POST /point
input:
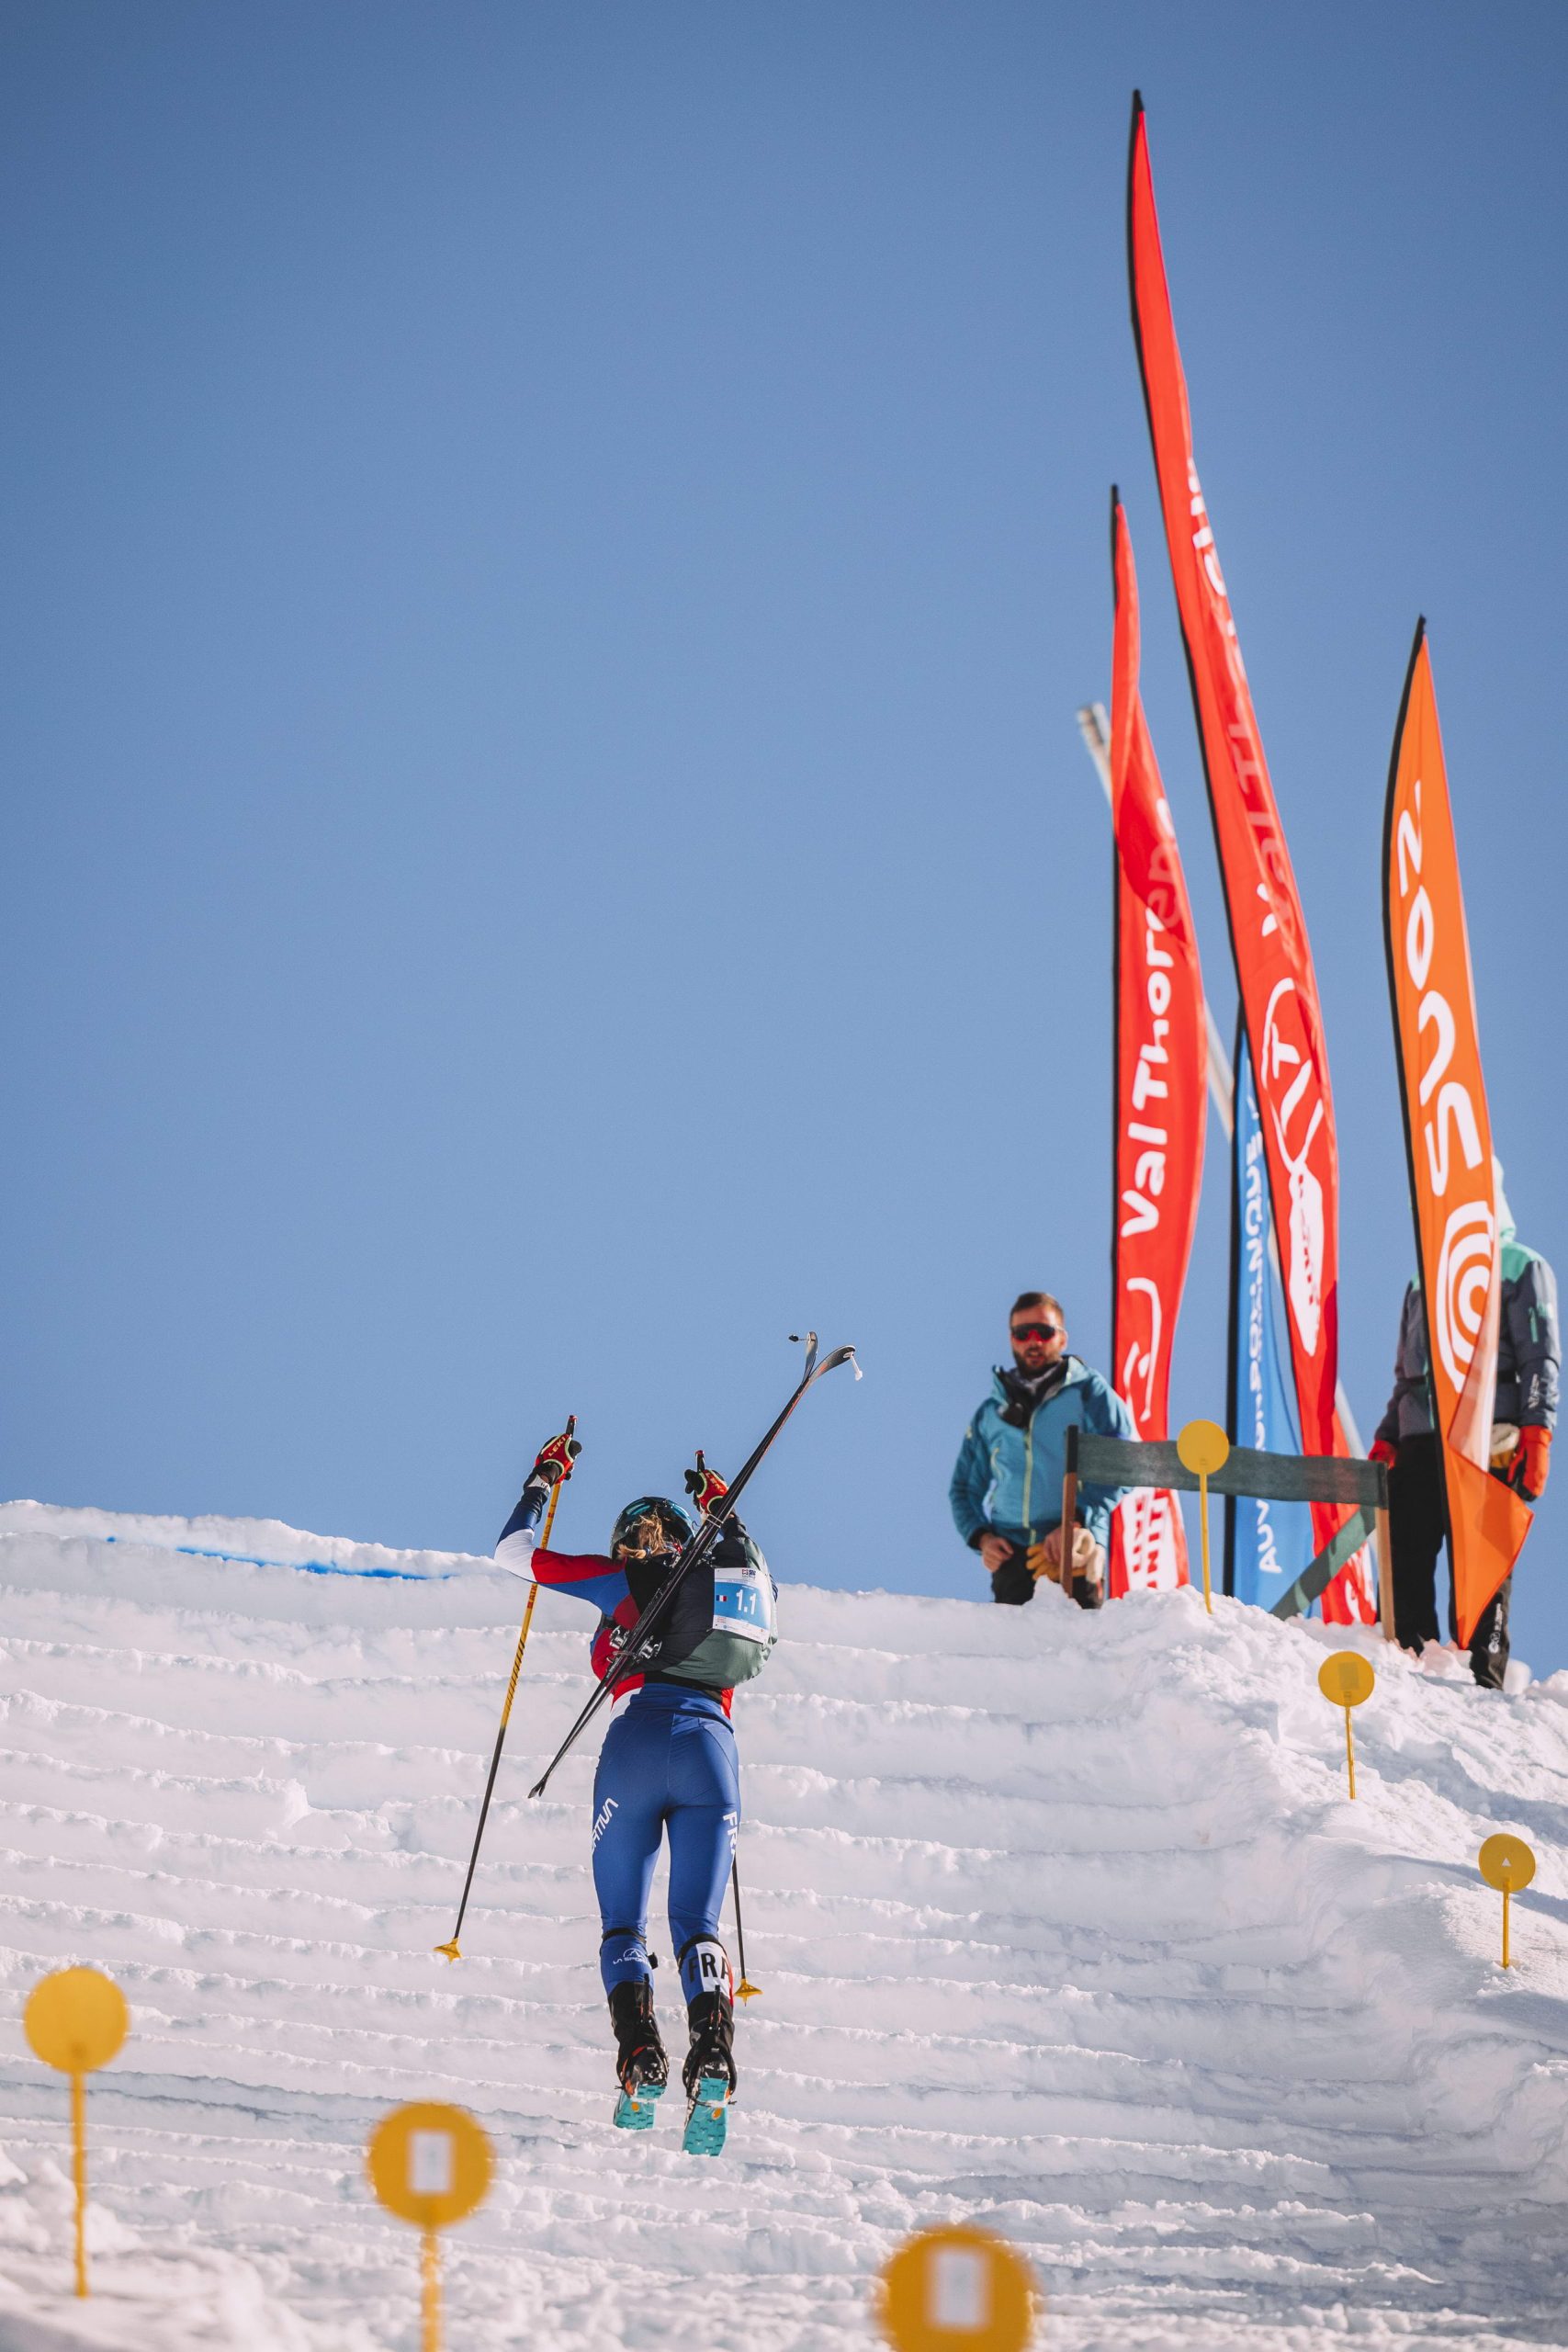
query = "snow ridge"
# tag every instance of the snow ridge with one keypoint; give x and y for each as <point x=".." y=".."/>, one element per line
<point x="1064" y="1924"/>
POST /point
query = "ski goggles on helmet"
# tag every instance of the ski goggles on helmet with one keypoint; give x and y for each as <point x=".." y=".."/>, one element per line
<point x="649" y="1528"/>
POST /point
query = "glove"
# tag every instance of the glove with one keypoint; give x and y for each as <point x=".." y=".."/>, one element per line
<point x="553" y="1461"/>
<point x="1045" y="1559"/>
<point x="1535" y="1460"/>
<point x="705" y="1485"/>
<point x="1381" y="1450"/>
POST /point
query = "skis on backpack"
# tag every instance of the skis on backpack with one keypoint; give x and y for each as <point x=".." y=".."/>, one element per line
<point x="635" y="1655"/>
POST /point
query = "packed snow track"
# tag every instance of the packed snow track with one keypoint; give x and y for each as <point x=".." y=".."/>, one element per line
<point x="1064" y="1924"/>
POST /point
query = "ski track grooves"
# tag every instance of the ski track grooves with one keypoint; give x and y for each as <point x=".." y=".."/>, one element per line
<point x="1063" y="1922"/>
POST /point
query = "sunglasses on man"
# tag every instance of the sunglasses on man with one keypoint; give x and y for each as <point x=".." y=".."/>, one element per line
<point x="1035" y="1330"/>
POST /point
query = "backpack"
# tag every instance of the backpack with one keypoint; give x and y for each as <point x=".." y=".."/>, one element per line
<point x="724" y="1620"/>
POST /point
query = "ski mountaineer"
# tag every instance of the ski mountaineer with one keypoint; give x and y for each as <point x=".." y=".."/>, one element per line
<point x="1006" y="1490"/>
<point x="1524" y="1415"/>
<point x="668" y="1767"/>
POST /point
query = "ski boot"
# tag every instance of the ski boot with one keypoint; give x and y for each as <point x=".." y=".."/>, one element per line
<point x="709" y="2072"/>
<point x="640" y="2062"/>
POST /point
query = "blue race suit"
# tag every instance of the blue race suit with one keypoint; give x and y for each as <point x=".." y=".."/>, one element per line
<point x="669" y="1761"/>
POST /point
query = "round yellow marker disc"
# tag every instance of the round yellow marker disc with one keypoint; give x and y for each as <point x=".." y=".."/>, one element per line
<point x="957" y="2290"/>
<point x="1202" y="1447"/>
<point x="1346" y="1678"/>
<point x="429" y="2164"/>
<point x="1507" y="1863"/>
<point x="76" y="2019"/>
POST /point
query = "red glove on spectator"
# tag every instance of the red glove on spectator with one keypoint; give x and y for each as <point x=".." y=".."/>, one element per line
<point x="705" y="1485"/>
<point x="1535" y="1460"/>
<point x="556" y="1459"/>
<point x="1380" y="1451"/>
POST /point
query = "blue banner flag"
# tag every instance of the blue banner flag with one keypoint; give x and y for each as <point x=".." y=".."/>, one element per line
<point x="1267" y="1544"/>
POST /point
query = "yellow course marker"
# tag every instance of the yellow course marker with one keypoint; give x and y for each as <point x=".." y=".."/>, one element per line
<point x="430" y="2165"/>
<point x="77" y="2020"/>
<point x="1203" y="1448"/>
<point x="1506" y="1862"/>
<point x="1344" y="1679"/>
<point x="957" y="2290"/>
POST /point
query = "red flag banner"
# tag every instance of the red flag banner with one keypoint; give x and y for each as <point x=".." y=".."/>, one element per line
<point x="1160" y="1093"/>
<point x="1449" y="1143"/>
<point x="1269" y="940"/>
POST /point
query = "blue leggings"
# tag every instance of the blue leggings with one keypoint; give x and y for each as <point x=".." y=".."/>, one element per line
<point x="667" y="1762"/>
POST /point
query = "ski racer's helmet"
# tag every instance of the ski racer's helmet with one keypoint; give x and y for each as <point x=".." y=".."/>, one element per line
<point x="651" y="1524"/>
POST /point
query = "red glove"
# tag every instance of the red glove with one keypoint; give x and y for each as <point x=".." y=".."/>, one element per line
<point x="705" y="1485"/>
<point x="1380" y="1451"/>
<point x="556" y="1459"/>
<point x="1535" y="1460"/>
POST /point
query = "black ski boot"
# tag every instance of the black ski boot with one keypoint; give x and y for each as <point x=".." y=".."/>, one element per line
<point x="641" y="2065"/>
<point x="709" y="2072"/>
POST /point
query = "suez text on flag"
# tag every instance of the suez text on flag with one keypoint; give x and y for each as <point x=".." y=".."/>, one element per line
<point x="1160" y="1093"/>
<point x="1267" y="1543"/>
<point x="1448" y="1139"/>
<point x="1268" y="941"/>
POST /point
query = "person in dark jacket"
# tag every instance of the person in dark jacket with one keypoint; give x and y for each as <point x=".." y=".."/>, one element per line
<point x="1524" y="1416"/>
<point x="1006" y="1490"/>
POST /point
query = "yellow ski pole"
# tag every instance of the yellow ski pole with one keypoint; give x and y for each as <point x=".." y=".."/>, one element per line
<point x="450" y="1951"/>
<point x="745" y="1990"/>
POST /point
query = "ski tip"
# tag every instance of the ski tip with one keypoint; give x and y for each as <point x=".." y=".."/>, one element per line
<point x="637" y="2110"/>
<point x="448" y="1952"/>
<point x="745" y="1990"/>
<point x="708" y="2119"/>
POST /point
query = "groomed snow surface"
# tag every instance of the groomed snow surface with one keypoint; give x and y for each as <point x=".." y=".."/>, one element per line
<point x="1065" y="1926"/>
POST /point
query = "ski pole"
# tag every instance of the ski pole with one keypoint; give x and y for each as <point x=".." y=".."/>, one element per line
<point x="744" y="1991"/>
<point x="450" y="1951"/>
<point x="634" y="1656"/>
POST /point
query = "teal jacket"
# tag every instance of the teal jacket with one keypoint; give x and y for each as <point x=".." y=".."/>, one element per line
<point x="1008" y="1478"/>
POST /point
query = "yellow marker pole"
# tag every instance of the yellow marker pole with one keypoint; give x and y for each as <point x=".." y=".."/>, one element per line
<point x="450" y="1951"/>
<point x="957" y="2290"/>
<point x="79" y="2169"/>
<point x="430" y="2165"/>
<point x="75" y="2020"/>
<point x="430" y="2291"/>
<point x="1506" y="1862"/>
<point x="1202" y="1447"/>
<point x="1346" y="1678"/>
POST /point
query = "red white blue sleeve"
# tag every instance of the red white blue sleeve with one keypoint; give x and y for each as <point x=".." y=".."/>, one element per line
<point x="582" y="1576"/>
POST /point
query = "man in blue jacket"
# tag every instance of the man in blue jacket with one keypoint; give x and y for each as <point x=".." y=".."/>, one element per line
<point x="1007" y="1484"/>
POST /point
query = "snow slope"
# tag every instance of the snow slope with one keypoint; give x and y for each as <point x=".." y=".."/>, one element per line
<point x="1064" y="1925"/>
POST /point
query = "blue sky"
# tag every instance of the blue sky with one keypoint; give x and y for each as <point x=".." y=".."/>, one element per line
<point x="553" y="555"/>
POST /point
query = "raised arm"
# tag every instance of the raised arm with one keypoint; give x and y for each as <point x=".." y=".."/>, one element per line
<point x="585" y="1576"/>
